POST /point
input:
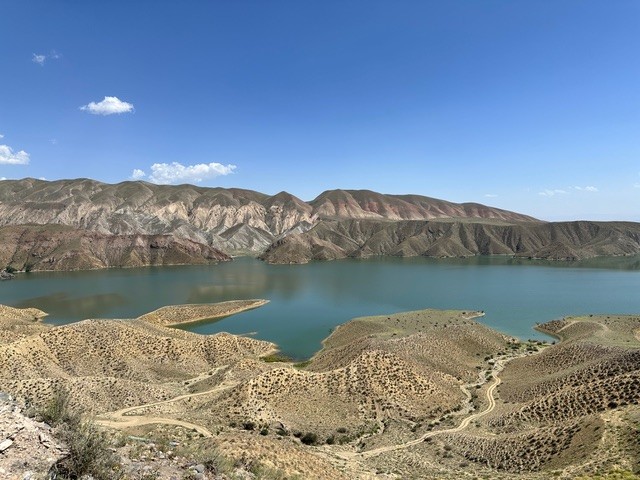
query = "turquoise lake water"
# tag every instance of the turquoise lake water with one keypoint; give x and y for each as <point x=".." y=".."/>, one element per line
<point x="307" y="301"/>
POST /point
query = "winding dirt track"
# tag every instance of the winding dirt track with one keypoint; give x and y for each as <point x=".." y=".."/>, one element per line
<point x="123" y="419"/>
<point x="491" y="404"/>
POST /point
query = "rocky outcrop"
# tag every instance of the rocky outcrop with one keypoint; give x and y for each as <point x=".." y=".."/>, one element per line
<point x="27" y="448"/>
<point x="4" y="275"/>
<point x="58" y="247"/>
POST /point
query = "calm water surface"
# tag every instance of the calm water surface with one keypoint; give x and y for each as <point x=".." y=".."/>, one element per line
<point x="307" y="301"/>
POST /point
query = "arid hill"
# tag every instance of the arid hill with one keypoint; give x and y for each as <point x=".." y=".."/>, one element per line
<point x="197" y="225"/>
<point x="426" y="394"/>
<point x="335" y="239"/>
<point x="110" y="364"/>
<point x="59" y="247"/>
<point x="571" y="410"/>
<point x="18" y="323"/>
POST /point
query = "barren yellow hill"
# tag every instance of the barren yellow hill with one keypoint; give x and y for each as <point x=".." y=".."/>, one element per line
<point x="425" y="394"/>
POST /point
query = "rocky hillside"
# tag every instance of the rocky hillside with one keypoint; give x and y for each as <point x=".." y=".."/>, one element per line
<point x="334" y="239"/>
<point x="121" y="225"/>
<point x="58" y="247"/>
<point x="232" y="220"/>
<point x="27" y="447"/>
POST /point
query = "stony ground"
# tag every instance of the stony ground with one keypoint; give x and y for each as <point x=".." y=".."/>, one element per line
<point x="27" y="447"/>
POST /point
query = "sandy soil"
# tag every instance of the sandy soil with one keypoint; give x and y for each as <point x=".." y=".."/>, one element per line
<point x="11" y="313"/>
<point x="174" y="315"/>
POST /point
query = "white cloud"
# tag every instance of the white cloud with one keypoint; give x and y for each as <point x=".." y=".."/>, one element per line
<point x="137" y="174"/>
<point x="490" y="195"/>
<point x="1" y="136"/>
<point x="177" y="173"/>
<point x="39" y="59"/>
<point x="108" y="106"/>
<point x="586" y="189"/>
<point x="3" y="178"/>
<point x="9" y="157"/>
<point x="551" y="193"/>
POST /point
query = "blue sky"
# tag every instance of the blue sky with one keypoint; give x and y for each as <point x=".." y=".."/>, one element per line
<point x="532" y="106"/>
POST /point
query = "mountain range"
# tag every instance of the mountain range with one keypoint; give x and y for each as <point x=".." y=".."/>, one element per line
<point x="83" y="223"/>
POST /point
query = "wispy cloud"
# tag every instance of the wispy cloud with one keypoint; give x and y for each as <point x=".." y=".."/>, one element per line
<point x="9" y="157"/>
<point x="41" y="58"/>
<point x="586" y="189"/>
<point x="490" y="195"/>
<point x="1" y="136"/>
<point x="636" y="185"/>
<point x="552" y="193"/>
<point x="108" y="106"/>
<point x="175" y="172"/>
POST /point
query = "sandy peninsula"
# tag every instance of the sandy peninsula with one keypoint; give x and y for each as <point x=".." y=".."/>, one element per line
<point x="11" y="313"/>
<point x="177" y="315"/>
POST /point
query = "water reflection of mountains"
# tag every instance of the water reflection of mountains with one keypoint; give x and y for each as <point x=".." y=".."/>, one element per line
<point x="247" y="281"/>
<point x="257" y="280"/>
<point x="63" y="305"/>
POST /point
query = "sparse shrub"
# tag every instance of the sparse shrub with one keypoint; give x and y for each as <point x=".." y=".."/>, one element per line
<point x="264" y="431"/>
<point x="88" y="447"/>
<point x="249" y="425"/>
<point x="89" y="453"/>
<point x="215" y="463"/>
<point x="9" y="269"/>
<point x="309" y="438"/>
<point x="342" y="430"/>
<point x="56" y="411"/>
<point x="330" y="440"/>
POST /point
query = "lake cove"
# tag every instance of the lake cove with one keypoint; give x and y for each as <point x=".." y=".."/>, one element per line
<point x="307" y="301"/>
